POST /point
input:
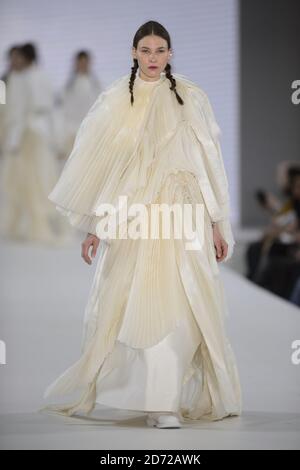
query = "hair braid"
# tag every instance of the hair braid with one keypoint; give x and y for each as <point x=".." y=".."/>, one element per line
<point x="173" y="83"/>
<point x="132" y="79"/>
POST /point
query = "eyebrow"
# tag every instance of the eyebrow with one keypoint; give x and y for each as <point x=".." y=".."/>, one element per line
<point x="160" y="47"/>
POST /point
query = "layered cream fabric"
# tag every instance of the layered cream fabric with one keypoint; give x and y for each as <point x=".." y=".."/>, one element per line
<point x="155" y="151"/>
<point x="117" y="145"/>
<point x="136" y="378"/>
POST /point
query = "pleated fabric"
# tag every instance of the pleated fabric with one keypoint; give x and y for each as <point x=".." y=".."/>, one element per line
<point x="149" y="379"/>
<point x="129" y="150"/>
<point x="145" y="290"/>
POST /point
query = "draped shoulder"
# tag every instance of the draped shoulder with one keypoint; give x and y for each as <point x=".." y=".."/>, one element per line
<point x="129" y="150"/>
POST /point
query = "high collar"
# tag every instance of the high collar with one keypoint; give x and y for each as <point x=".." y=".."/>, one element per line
<point x="141" y="82"/>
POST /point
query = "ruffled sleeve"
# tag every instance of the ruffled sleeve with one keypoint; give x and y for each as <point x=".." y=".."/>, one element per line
<point x="202" y="112"/>
<point x="223" y="224"/>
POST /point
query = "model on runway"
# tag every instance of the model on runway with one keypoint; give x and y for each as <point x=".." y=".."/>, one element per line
<point x="154" y="336"/>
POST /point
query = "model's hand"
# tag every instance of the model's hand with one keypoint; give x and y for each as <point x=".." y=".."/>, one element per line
<point x="220" y="244"/>
<point x="90" y="241"/>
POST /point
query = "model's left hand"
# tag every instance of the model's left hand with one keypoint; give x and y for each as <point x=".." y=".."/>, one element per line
<point x="220" y="244"/>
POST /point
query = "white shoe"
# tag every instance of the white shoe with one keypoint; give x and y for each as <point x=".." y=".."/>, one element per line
<point x="163" y="421"/>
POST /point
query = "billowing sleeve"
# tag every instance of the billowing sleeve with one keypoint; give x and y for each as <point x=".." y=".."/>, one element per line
<point x="223" y="224"/>
<point x="216" y="187"/>
<point x="64" y="193"/>
<point x="91" y="172"/>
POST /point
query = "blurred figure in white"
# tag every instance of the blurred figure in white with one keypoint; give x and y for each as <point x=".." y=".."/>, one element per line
<point x="14" y="64"/>
<point x="29" y="165"/>
<point x="80" y="92"/>
<point x="15" y="61"/>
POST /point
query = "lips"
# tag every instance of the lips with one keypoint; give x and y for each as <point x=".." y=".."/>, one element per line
<point x="152" y="67"/>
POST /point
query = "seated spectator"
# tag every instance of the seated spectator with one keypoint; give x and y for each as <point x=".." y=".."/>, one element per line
<point x="274" y="261"/>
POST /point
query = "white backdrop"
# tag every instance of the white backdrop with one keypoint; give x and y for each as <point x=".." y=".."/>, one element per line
<point x="204" y="36"/>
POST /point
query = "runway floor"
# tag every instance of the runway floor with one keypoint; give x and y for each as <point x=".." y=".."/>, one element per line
<point x="43" y="296"/>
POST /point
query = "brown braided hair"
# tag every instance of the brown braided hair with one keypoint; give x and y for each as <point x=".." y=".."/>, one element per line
<point x="152" y="27"/>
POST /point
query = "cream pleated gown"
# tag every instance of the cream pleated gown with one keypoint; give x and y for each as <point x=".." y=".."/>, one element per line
<point x="154" y="337"/>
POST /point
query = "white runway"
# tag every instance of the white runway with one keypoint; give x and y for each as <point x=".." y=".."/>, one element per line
<point x="43" y="296"/>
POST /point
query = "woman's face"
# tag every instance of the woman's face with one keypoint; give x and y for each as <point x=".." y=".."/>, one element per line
<point x="152" y="51"/>
<point x="82" y="65"/>
<point x="17" y="61"/>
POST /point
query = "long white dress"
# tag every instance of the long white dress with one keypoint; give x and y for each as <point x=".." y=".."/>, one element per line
<point x="77" y="98"/>
<point x="29" y="168"/>
<point x="154" y="336"/>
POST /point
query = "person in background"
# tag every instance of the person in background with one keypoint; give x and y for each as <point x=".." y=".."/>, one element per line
<point x="14" y="66"/>
<point x="79" y="94"/>
<point x="15" y="62"/>
<point x="295" y="295"/>
<point x="274" y="261"/>
<point x="29" y="164"/>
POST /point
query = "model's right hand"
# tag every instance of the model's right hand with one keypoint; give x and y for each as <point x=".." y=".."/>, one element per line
<point x="90" y="241"/>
